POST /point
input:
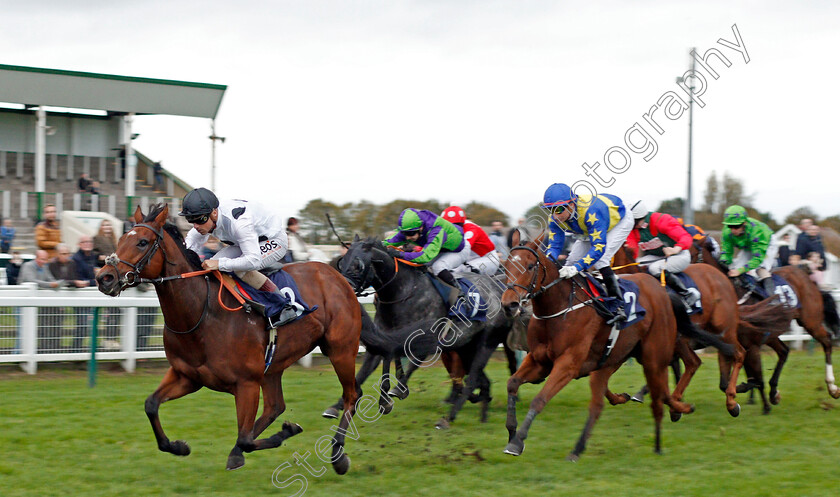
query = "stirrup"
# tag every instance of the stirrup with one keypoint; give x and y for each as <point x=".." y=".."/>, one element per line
<point x="286" y="316"/>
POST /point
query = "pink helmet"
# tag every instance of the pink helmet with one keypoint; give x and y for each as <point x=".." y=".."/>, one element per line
<point x="454" y="214"/>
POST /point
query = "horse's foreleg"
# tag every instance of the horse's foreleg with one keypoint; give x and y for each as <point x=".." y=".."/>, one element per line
<point x="782" y="351"/>
<point x="172" y="386"/>
<point x="821" y="335"/>
<point x="400" y="390"/>
<point x="344" y="367"/>
<point x="273" y="406"/>
<point x="598" y="381"/>
<point x="371" y="361"/>
<point x="529" y="371"/>
<point x="692" y="363"/>
<point x="560" y="375"/>
<point x="479" y="361"/>
<point x="729" y="371"/>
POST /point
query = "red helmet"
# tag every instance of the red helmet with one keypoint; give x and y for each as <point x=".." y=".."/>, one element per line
<point x="454" y="214"/>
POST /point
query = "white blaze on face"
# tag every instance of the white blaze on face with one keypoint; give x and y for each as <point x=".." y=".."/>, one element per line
<point x="516" y="258"/>
<point x="131" y="233"/>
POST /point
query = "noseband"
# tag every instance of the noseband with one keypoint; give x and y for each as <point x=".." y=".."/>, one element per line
<point x="132" y="278"/>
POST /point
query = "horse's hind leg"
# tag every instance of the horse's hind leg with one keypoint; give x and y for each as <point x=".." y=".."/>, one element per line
<point x="171" y="387"/>
<point x="820" y="334"/>
<point x="755" y="378"/>
<point x="692" y="363"/>
<point x="598" y="381"/>
<point x="400" y="389"/>
<point x="371" y="361"/>
<point x="782" y="351"/>
<point x="273" y="406"/>
<point x="344" y="366"/>
<point x="479" y="361"/>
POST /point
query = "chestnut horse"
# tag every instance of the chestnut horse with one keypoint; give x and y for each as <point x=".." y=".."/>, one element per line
<point x="208" y="346"/>
<point x="568" y="339"/>
<point x="816" y="308"/>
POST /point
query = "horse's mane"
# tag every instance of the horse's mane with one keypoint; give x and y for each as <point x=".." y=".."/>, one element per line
<point x="175" y="233"/>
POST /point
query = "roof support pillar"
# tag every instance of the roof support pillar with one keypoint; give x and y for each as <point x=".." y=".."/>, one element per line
<point x="40" y="149"/>
<point x="130" y="159"/>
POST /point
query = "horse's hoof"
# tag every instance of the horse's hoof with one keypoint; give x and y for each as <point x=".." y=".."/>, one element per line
<point x="179" y="448"/>
<point x="766" y="410"/>
<point x="735" y="411"/>
<point x="398" y="393"/>
<point x="751" y="401"/>
<point x="515" y="447"/>
<point x="235" y="462"/>
<point x="675" y="416"/>
<point x="386" y="407"/>
<point x="331" y="413"/>
<point x="636" y="398"/>
<point x="443" y="424"/>
<point x="775" y="397"/>
<point x="834" y="391"/>
<point x="292" y="428"/>
<point x="572" y="457"/>
<point x="342" y="466"/>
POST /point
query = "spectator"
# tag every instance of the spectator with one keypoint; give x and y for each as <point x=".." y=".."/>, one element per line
<point x="298" y="250"/>
<point x="94" y="188"/>
<point x="158" y="170"/>
<point x="84" y="183"/>
<point x="814" y="263"/>
<point x="64" y="268"/>
<point x="498" y="239"/>
<point x="784" y="251"/>
<point x="809" y="241"/>
<point x="86" y="260"/>
<point x="7" y="234"/>
<point x="49" y="318"/>
<point x="48" y="232"/>
<point x="105" y="242"/>
<point x="13" y="269"/>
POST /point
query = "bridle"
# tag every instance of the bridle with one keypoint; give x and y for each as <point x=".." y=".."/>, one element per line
<point x="133" y="278"/>
<point x="532" y="292"/>
<point x="365" y="280"/>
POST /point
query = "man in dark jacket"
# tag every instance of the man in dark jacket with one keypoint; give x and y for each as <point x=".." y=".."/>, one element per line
<point x="809" y="241"/>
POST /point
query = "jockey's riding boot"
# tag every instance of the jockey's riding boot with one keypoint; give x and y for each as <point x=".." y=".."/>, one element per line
<point x="455" y="293"/>
<point x="614" y="290"/>
<point x="769" y="286"/>
<point x="287" y="315"/>
<point x="676" y="284"/>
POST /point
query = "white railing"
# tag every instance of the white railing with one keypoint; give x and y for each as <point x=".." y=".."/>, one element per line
<point x="41" y="325"/>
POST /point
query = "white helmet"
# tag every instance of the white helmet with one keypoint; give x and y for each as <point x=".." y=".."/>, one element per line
<point x="639" y="210"/>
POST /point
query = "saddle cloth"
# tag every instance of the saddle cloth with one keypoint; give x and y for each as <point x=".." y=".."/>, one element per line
<point x="474" y="308"/>
<point x="787" y="296"/>
<point x="272" y="303"/>
<point x="632" y="309"/>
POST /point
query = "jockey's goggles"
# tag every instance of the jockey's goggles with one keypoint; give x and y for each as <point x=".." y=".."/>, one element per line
<point x="198" y="219"/>
<point x="737" y="226"/>
<point x="411" y="232"/>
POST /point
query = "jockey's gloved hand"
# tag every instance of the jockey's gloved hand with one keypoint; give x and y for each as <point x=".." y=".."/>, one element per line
<point x="568" y="271"/>
<point x="393" y="252"/>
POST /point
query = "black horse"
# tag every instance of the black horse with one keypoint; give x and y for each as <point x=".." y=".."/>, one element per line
<point x="415" y="319"/>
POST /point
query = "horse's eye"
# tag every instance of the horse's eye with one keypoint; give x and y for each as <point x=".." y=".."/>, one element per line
<point x="531" y="266"/>
<point x="142" y="244"/>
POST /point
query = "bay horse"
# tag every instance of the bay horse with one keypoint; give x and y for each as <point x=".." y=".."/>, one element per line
<point x="567" y="339"/>
<point x="209" y="346"/>
<point x="721" y="316"/>
<point x="411" y="312"/>
<point x="817" y="308"/>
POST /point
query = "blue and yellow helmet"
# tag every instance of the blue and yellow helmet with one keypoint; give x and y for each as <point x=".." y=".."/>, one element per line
<point x="558" y="194"/>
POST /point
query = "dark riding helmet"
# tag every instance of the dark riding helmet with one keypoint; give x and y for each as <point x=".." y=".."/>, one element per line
<point x="198" y="202"/>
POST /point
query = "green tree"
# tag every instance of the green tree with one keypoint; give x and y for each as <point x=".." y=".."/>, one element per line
<point x="484" y="214"/>
<point x="732" y="192"/>
<point x="832" y="222"/>
<point x="313" y="221"/>
<point x="672" y="206"/>
<point x="710" y="197"/>
<point x="801" y="213"/>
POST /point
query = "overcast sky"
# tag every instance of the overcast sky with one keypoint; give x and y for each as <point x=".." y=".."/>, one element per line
<point x="465" y="100"/>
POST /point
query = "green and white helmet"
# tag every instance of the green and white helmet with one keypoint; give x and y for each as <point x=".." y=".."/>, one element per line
<point x="735" y="215"/>
<point x="410" y="221"/>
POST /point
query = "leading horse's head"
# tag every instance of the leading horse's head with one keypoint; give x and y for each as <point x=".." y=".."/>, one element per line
<point x="357" y="264"/>
<point x="527" y="272"/>
<point x="139" y="253"/>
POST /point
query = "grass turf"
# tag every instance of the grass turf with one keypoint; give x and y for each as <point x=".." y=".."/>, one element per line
<point x="60" y="437"/>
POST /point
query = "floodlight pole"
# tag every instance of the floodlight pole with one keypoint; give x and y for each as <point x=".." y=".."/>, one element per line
<point x="688" y="210"/>
<point x="213" y="139"/>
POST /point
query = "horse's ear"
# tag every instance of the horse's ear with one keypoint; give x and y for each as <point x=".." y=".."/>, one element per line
<point x="356" y="239"/>
<point x="163" y="216"/>
<point x="138" y="215"/>
<point x="515" y="237"/>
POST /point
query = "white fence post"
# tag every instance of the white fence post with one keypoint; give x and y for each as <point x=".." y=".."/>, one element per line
<point x="128" y="338"/>
<point x="77" y="201"/>
<point x="29" y="333"/>
<point x="24" y="204"/>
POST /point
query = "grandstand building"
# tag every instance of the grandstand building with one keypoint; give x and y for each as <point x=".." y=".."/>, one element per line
<point x="56" y="125"/>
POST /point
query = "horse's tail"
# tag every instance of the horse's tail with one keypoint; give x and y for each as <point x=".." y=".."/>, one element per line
<point x="372" y="338"/>
<point x="832" y="319"/>
<point x="690" y="330"/>
<point x="767" y="318"/>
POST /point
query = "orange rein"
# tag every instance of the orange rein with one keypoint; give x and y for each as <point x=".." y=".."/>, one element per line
<point x="224" y="284"/>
